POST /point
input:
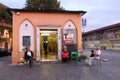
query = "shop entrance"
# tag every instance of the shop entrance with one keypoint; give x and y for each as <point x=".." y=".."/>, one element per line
<point x="48" y="45"/>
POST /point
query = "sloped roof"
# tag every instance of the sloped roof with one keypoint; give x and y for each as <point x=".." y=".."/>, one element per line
<point x="103" y="28"/>
<point x="50" y="11"/>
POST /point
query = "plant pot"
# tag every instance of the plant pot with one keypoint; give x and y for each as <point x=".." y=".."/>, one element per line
<point x="82" y="60"/>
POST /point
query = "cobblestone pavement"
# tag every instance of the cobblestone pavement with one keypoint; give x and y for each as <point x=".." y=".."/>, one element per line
<point x="63" y="71"/>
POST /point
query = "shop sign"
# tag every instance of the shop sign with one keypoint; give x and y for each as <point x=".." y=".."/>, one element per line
<point x="69" y="38"/>
<point x="70" y="41"/>
<point x="69" y="33"/>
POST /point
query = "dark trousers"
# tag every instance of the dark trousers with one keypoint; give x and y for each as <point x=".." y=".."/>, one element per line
<point x="64" y="60"/>
<point x="27" y="58"/>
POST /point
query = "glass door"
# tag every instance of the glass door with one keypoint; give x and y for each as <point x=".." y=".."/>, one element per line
<point x="48" y="45"/>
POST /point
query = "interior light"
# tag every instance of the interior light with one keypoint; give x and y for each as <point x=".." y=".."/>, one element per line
<point x="18" y="13"/>
<point x="45" y="34"/>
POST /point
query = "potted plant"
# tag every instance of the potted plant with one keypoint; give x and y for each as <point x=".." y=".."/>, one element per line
<point x="83" y="58"/>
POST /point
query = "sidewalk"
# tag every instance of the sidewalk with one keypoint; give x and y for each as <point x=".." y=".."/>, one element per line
<point x="59" y="71"/>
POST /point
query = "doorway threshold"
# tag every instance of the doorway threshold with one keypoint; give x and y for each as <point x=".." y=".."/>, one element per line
<point x="49" y="61"/>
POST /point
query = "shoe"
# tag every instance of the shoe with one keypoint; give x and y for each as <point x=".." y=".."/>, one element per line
<point x="89" y="65"/>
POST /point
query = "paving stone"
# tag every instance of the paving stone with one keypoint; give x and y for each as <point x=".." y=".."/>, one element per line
<point x="63" y="71"/>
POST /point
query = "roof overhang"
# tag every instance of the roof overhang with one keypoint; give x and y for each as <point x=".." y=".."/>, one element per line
<point x="103" y="28"/>
<point x="49" y="11"/>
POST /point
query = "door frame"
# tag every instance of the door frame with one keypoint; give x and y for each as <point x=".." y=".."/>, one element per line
<point x="48" y="27"/>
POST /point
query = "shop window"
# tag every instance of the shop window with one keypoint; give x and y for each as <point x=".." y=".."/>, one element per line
<point x="117" y="36"/>
<point x="70" y="36"/>
<point x="69" y="33"/>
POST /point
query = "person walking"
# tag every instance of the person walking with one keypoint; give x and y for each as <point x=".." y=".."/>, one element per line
<point x="45" y="45"/>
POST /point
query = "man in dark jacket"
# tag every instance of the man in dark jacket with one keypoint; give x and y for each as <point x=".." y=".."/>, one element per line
<point x="28" y="54"/>
<point x="45" y="45"/>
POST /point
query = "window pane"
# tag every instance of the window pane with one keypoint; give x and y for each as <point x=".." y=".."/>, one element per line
<point x="26" y="40"/>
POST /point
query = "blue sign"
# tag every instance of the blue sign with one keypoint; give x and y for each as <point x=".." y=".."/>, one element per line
<point x="84" y="22"/>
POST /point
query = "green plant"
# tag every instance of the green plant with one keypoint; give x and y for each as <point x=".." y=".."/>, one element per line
<point x="83" y="57"/>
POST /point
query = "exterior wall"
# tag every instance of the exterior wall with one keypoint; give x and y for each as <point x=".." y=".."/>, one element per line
<point x="6" y="37"/>
<point x="106" y="39"/>
<point x="42" y="19"/>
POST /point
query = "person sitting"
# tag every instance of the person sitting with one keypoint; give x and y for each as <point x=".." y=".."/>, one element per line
<point x="98" y="56"/>
<point x="92" y="56"/>
<point x="97" y="53"/>
<point x="65" y="54"/>
<point x="28" y="54"/>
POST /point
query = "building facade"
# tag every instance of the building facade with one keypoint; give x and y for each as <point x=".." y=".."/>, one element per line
<point x="6" y="37"/>
<point x="107" y="37"/>
<point x="45" y="32"/>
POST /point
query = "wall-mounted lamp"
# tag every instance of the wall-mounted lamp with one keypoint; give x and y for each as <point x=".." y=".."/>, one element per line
<point x="18" y="13"/>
